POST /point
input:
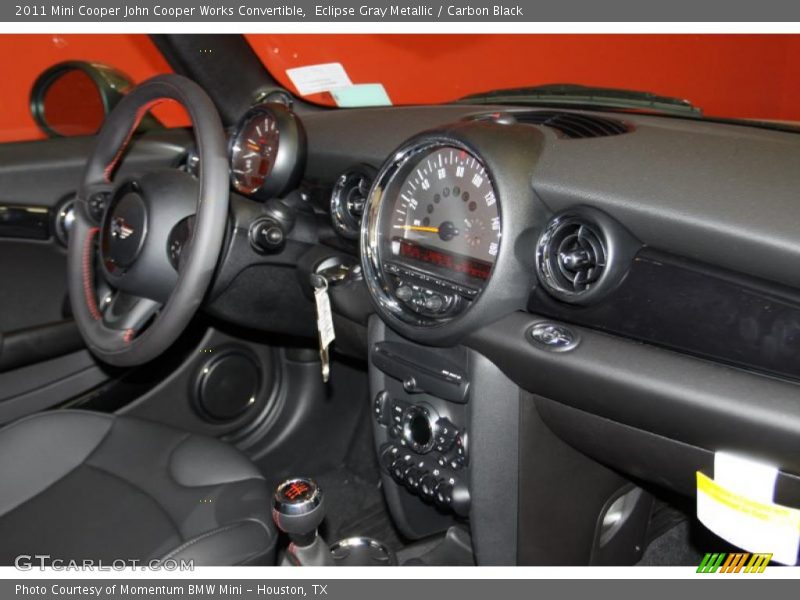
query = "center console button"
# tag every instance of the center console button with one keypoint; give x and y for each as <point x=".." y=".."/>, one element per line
<point x="446" y="434"/>
<point x="399" y="468"/>
<point x="444" y="494"/>
<point x="453" y="495"/>
<point x="381" y="407"/>
<point x="404" y="293"/>
<point x="427" y="486"/>
<point x="389" y="454"/>
<point x="434" y="303"/>
<point x="410" y="385"/>
<point x="413" y="477"/>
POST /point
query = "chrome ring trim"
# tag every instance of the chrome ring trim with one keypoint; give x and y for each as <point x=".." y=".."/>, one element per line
<point x="377" y="281"/>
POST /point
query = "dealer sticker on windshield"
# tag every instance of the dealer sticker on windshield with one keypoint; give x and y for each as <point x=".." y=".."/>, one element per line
<point x="315" y="79"/>
<point x="738" y="506"/>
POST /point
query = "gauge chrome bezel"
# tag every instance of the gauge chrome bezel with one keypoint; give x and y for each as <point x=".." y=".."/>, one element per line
<point x="290" y="156"/>
<point x="379" y="285"/>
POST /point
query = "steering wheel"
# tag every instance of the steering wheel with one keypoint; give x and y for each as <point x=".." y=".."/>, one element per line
<point x="142" y="251"/>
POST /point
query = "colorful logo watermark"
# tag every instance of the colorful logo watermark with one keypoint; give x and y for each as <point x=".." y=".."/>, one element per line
<point x="736" y="562"/>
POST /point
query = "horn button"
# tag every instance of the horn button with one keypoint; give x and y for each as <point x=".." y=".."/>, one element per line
<point x="136" y="231"/>
<point x="125" y="230"/>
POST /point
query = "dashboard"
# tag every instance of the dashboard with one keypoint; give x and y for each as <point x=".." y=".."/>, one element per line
<point x="625" y="275"/>
<point x="458" y="216"/>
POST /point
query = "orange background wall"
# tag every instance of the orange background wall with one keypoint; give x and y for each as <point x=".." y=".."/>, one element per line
<point x="24" y="57"/>
<point x="750" y="76"/>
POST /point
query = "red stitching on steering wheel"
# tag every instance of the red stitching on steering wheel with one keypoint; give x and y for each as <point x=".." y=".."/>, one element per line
<point x="140" y="113"/>
<point x="88" y="286"/>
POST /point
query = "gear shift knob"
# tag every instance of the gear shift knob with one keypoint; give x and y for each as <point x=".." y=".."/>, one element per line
<point x="298" y="509"/>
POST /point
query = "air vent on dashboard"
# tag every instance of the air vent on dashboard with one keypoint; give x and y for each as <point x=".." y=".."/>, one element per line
<point x="348" y="198"/>
<point x="582" y="254"/>
<point x="572" y="255"/>
<point x="574" y="125"/>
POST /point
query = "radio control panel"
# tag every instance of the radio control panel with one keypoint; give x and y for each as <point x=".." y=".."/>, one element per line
<point x="426" y="452"/>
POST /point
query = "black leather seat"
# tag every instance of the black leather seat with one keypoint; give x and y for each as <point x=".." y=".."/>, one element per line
<point x="81" y="485"/>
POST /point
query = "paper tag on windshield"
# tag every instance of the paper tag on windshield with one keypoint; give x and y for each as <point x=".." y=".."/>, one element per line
<point x="324" y="317"/>
<point x="738" y="507"/>
<point x="315" y="79"/>
<point x="362" y="94"/>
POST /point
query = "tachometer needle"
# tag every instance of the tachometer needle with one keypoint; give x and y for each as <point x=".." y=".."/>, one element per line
<point x="417" y="228"/>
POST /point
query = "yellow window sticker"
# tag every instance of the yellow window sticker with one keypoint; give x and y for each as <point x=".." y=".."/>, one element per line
<point x="754" y="525"/>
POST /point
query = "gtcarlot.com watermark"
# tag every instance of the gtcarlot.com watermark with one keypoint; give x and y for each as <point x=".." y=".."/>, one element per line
<point x="29" y="562"/>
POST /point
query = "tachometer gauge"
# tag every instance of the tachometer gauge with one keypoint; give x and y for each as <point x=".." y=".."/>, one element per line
<point x="253" y="152"/>
<point x="433" y="232"/>
<point x="267" y="151"/>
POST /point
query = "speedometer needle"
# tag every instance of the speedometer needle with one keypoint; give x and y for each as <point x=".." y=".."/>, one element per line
<point x="418" y="228"/>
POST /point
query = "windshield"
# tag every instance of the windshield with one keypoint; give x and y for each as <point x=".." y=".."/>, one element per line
<point x="728" y="76"/>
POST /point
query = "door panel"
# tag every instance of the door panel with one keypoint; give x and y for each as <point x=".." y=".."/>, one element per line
<point x="34" y="388"/>
<point x="42" y="363"/>
<point x="33" y="284"/>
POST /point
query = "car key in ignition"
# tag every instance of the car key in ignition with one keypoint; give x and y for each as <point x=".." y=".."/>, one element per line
<point x="324" y="322"/>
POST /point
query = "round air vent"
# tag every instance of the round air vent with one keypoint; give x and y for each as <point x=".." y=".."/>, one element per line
<point x="348" y="199"/>
<point x="582" y="254"/>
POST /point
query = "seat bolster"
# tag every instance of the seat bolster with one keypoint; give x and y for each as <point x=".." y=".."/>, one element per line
<point x="201" y="461"/>
<point x="39" y="450"/>
<point x="247" y="542"/>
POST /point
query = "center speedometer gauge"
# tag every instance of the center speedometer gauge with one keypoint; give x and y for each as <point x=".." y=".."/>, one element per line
<point x="432" y="232"/>
<point x="267" y="151"/>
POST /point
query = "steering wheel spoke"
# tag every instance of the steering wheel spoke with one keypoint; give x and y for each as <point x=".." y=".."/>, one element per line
<point x="127" y="312"/>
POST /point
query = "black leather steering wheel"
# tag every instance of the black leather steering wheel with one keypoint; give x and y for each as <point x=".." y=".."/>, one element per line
<point x="130" y="295"/>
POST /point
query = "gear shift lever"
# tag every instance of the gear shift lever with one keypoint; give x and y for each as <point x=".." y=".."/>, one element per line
<point x="298" y="509"/>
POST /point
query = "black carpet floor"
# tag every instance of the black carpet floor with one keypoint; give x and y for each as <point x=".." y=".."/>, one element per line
<point x="679" y="539"/>
<point x="355" y="507"/>
<point x="353" y="494"/>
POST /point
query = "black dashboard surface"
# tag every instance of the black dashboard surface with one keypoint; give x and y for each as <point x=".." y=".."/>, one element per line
<point x="722" y="194"/>
<point x="720" y="201"/>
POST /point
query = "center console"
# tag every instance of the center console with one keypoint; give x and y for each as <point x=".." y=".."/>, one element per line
<point x="420" y="411"/>
<point x="445" y="424"/>
<point x="423" y="436"/>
